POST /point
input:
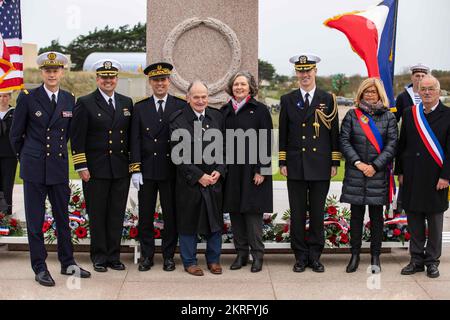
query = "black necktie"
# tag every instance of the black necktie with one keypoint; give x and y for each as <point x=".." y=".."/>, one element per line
<point x="160" y="108"/>
<point x="201" y="118"/>
<point x="53" y="102"/>
<point x="306" y="105"/>
<point x="110" y="104"/>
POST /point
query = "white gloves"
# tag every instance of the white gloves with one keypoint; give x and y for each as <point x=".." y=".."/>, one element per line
<point x="137" y="180"/>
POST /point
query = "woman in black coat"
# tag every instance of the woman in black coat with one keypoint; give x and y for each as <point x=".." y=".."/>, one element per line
<point x="367" y="170"/>
<point x="248" y="186"/>
<point x="8" y="160"/>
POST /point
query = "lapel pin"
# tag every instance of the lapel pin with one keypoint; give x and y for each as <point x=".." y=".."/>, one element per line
<point x="38" y="114"/>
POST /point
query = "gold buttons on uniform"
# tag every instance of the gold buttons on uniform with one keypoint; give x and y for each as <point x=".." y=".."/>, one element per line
<point x="110" y="151"/>
<point x="303" y="149"/>
<point x="48" y="146"/>
<point x="110" y="132"/>
<point x="155" y="154"/>
<point x="303" y="137"/>
<point x="110" y="141"/>
<point x="148" y="129"/>
<point x="48" y="130"/>
<point x="121" y="131"/>
<point x="60" y="154"/>
<point x="62" y="130"/>
<point x="314" y="149"/>
<point x="156" y="140"/>
<point x="314" y="137"/>
<point x="48" y="138"/>
<point x="121" y="141"/>
<point x="48" y="154"/>
<point x="304" y="125"/>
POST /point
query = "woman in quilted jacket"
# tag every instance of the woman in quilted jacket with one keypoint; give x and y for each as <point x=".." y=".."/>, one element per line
<point x="368" y="142"/>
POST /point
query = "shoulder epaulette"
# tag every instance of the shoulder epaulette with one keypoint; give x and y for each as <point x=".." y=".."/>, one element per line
<point x="141" y="100"/>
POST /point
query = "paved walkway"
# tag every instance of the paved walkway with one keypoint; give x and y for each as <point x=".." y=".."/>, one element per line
<point x="276" y="281"/>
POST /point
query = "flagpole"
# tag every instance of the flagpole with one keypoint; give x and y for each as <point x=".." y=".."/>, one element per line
<point x="394" y="44"/>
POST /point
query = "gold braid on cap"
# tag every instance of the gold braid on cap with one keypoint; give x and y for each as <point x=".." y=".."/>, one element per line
<point x="326" y="118"/>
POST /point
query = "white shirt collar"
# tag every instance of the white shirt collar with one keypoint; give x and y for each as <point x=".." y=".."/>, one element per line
<point x="163" y="99"/>
<point x="106" y="97"/>
<point x="199" y="114"/>
<point x="50" y="93"/>
<point x="434" y="108"/>
<point x="311" y="93"/>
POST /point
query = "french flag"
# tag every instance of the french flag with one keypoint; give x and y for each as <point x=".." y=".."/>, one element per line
<point x="372" y="35"/>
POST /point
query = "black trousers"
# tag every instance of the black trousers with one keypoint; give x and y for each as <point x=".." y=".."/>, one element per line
<point x="429" y="254"/>
<point x="8" y="167"/>
<point x="247" y="232"/>
<point x="147" y="203"/>
<point x="106" y="201"/>
<point x="307" y="196"/>
<point x="357" y="225"/>
<point x="34" y="196"/>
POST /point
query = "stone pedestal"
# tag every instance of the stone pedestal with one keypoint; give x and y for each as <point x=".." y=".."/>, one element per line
<point x="208" y="40"/>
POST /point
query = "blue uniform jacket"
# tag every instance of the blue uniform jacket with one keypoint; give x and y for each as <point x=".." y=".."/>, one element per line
<point x="39" y="136"/>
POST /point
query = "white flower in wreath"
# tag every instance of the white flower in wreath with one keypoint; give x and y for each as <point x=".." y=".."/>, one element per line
<point x="328" y="243"/>
<point x="73" y="225"/>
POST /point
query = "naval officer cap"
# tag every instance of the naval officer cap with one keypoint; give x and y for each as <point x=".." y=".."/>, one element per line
<point x="52" y="59"/>
<point x="420" y="68"/>
<point x="107" y="68"/>
<point x="305" y="61"/>
<point x="159" y="70"/>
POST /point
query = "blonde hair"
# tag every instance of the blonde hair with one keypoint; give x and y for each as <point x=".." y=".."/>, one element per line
<point x="380" y="88"/>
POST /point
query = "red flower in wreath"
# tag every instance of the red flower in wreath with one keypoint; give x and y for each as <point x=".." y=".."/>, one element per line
<point x="13" y="223"/>
<point x="76" y="213"/>
<point x="81" y="232"/>
<point x="156" y="215"/>
<point x="344" y="238"/>
<point x="332" y="211"/>
<point x="133" y="232"/>
<point x="157" y="233"/>
<point x="397" y="232"/>
<point x="278" y="238"/>
<point x="333" y="239"/>
<point x="45" y="227"/>
<point x="83" y="205"/>
<point x="286" y="228"/>
<point x="2" y="216"/>
<point x="407" y="236"/>
<point x="75" y="199"/>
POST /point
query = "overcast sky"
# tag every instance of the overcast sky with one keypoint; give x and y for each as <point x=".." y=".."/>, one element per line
<point x="286" y="28"/>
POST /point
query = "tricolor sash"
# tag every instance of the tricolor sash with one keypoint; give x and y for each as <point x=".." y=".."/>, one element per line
<point x="374" y="136"/>
<point x="427" y="135"/>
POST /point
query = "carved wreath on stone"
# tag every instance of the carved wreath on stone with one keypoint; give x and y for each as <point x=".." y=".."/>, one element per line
<point x="214" y="24"/>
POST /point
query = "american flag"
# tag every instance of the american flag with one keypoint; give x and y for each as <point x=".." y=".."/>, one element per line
<point x="11" y="53"/>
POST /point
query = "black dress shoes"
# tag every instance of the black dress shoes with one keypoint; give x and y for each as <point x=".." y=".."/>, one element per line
<point x="256" y="265"/>
<point x="412" y="268"/>
<point x="76" y="271"/>
<point x="145" y="264"/>
<point x="239" y="262"/>
<point x="169" y="264"/>
<point x="316" y="266"/>
<point x="432" y="271"/>
<point x="100" y="267"/>
<point x="375" y="264"/>
<point x="117" y="265"/>
<point x="353" y="264"/>
<point x="45" y="279"/>
<point x="299" y="266"/>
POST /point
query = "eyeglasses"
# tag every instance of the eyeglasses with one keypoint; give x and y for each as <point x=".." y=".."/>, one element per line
<point x="373" y="92"/>
<point x="428" y="89"/>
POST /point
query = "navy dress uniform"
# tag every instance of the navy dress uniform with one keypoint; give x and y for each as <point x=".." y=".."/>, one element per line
<point x="100" y="144"/>
<point x="151" y="166"/>
<point x="39" y="135"/>
<point x="8" y="159"/>
<point x="309" y="147"/>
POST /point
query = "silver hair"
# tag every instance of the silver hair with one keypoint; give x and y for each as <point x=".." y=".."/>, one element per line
<point x="433" y="78"/>
<point x="197" y="82"/>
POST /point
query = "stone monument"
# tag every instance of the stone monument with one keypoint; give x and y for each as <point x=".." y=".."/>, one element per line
<point x="208" y="40"/>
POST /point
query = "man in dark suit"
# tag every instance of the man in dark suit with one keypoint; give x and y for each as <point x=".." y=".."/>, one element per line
<point x="409" y="97"/>
<point x="152" y="167"/>
<point x="100" y="139"/>
<point x="39" y="135"/>
<point x="199" y="179"/>
<point x="309" y="157"/>
<point x="424" y="173"/>
<point x="8" y="160"/>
